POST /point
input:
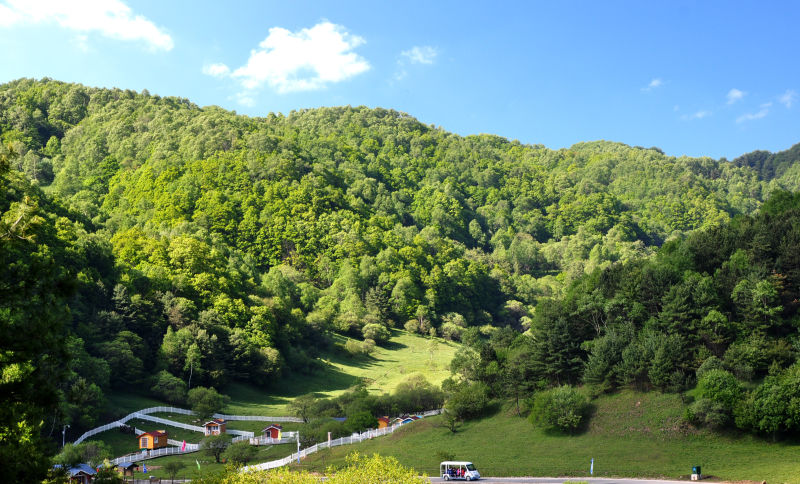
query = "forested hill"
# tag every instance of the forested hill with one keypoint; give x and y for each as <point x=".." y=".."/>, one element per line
<point x="202" y="241"/>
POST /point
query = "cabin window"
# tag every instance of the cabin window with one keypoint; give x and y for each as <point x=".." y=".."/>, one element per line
<point x="145" y="442"/>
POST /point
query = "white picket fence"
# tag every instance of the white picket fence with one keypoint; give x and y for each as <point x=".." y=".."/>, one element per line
<point x="179" y="443"/>
<point x="353" y="439"/>
<point x="286" y="438"/>
<point x="258" y="418"/>
<point x="144" y="414"/>
<point x="137" y="457"/>
<point x="171" y="423"/>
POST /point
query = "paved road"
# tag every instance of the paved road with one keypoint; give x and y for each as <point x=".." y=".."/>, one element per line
<point x="561" y="480"/>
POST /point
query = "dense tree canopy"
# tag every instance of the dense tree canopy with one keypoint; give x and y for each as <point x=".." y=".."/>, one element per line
<point x="167" y="246"/>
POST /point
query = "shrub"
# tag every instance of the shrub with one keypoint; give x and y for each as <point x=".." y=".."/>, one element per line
<point x="468" y="401"/>
<point x="720" y="387"/>
<point x="169" y="387"/>
<point x="562" y="408"/>
<point x="240" y="452"/>
<point x="706" y="413"/>
<point x="451" y="332"/>
<point x="710" y="363"/>
<point x="412" y="326"/>
<point x="375" y="332"/>
<point x="205" y="402"/>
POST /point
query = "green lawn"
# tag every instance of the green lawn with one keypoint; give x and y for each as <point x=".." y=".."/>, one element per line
<point x="631" y="435"/>
<point x="405" y="355"/>
<point x="207" y="464"/>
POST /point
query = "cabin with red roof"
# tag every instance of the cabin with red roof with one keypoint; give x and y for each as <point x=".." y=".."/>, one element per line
<point x="215" y="427"/>
<point x="383" y="422"/>
<point x="153" y="440"/>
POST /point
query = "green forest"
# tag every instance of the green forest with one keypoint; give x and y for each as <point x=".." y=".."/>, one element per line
<point x="149" y="243"/>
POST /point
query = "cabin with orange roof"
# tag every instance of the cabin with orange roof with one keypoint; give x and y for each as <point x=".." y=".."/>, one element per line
<point x="153" y="440"/>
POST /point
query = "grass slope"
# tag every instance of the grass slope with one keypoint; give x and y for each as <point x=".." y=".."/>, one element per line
<point x="405" y="354"/>
<point x="631" y="435"/>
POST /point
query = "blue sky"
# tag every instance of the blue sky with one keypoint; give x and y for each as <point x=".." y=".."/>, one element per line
<point x="706" y="78"/>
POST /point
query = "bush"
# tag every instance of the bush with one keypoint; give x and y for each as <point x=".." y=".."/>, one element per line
<point x="451" y="332"/>
<point x="706" y="413"/>
<point x="710" y="363"/>
<point x="562" y="408"/>
<point x="468" y="401"/>
<point x="205" y="402"/>
<point x="240" y="453"/>
<point x="774" y="407"/>
<point x="376" y="332"/>
<point x="412" y="326"/>
<point x="720" y="387"/>
<point x="358" y="348"/>
<point x="169" y="387"/>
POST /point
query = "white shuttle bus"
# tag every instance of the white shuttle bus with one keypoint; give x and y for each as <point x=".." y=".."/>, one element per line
<point x="462" y="470"/>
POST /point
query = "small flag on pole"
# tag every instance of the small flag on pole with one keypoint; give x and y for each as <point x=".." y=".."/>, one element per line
<point x="183" y="447"/>
<point x="591" y="468"/>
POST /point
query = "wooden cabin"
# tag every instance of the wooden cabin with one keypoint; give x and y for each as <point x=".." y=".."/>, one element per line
<point x="80" y="474"/>
<point x="383" y="422"/>
<point x="215" y="427"/>
<point x="127" y="468"/>
<point x="273" y="431"/>
<point x="153" y="440"/>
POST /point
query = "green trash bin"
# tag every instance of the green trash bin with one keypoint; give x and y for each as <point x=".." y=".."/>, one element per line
<point x="696" y="470"/>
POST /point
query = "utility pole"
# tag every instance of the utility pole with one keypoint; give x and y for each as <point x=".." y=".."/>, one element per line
<point x="63" y="434"/>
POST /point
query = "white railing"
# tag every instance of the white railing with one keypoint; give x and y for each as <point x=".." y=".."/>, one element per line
<point x="154" y="454"/>
<point x="171" y="423"/>
<point x="353" y="439"/>
<point x="258" y="418"/>
<point x="179" y="443"/>
<point x="285" y="439"/>
<point x="144" y="414"/>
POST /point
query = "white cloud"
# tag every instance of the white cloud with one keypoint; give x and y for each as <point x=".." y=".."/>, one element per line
<point x="753" y="116"/>
<point x="111" y="18"/>
<point x="216" y="70"/>
<point x="421" y="54"/>
<point x="655" y="83"/>
<point x="697" y="115"/>
<point x="245" y="98"/>
<point x="299" y="61"/>
<point x="735" y="95"/>
<point x="788" y="98"/>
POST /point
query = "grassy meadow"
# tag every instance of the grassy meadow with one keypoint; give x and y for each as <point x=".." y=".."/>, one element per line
<point x="630" y="435"/>
<point x="404" y="355"/>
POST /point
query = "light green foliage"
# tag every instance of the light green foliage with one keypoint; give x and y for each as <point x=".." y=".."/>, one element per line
<point x="774" y="407"/>
<point x="374" y="469"/>
<point x="206" y="401"/>
<point x="92" y="453"/>
<point x="240" y="453"/>
<point x="376" y="332"/>
<point x="221" y="247"/>
<point x="215" y="445"/>
<point x="563" y="408"/>
<point x="468" y="400"/>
